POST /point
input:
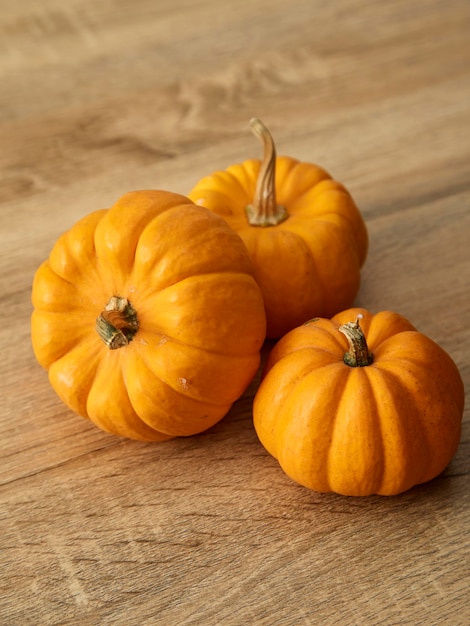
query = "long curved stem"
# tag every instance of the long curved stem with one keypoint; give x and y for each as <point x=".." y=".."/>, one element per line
<point x="264" y="211"/>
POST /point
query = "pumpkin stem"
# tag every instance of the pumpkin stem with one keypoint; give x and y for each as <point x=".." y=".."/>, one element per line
<point x="264" y="211"/>
<point x="117" y="324"/>
<point x="358" y="354"/>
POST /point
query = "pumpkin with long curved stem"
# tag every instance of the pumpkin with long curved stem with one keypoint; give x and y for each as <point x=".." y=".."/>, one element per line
<point x="148" y="318"/>
<point x="360" y="404"/>
<point x="306" y="237"/>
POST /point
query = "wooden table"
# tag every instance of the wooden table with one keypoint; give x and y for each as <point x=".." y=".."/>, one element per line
<point x="98" y="98"/>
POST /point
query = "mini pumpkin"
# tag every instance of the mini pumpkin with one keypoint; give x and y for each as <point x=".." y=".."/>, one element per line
<point x="148" y="318"/>
<point x="360" y="404"/>
<point x="303" y="231"/>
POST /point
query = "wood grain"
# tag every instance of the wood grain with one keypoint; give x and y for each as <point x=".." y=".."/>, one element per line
<point x="101" y="98"/>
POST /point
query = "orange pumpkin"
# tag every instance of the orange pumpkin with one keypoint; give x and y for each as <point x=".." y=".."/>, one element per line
<point x="303" y="230"/>
<point x="360" y="404"/>
<point x="148" y="318"/>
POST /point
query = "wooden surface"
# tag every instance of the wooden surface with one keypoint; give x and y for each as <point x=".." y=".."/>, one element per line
<point x="98" y="98"/>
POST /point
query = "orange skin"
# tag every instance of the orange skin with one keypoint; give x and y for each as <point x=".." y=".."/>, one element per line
<point x="377" y="429"/>
<point x="201" y="320"/>
<point x="307" y="264"/>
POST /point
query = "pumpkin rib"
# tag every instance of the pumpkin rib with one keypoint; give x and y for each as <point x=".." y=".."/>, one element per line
<point x="51" y="290"/>
<point x="55" y="333"/>
<point x="355" y="458"/>
<point x="206" y="351"/>
<point x="295" y="224"/>
<point x="171" y="303"/>
<point x="219" y="274"/>
<point x="237" y="185"/>
<point x="306" y="459"/>
<point x="352" y="215"/>
<point x="346" y="226"/>
<point x="296" y="300"/>
<point x="380" y="342"/>
<point x="185" y="369"/>
<point x="209" y="243"/>
<point x="298" y="179"/>
<point x="227" y="186"/>
<point x="277" y="386"/>
<point x="403" y="439"/>
<point x="294" y="178"/>
<point x="234" y="218"/>
<point x="328" y="333"/>
<point x="284" y="167"/>
<point x="376" y="418"/>
<point x="384" y="326"/>
<point x="307" y="337"/>
<point x="118" y="233"/>
<point x="75" y="249"/>
<point x="339" y="279"/>
<point x="343" y="207"/>
<point x="373" y="372"/>
<point x="72" y="374"/>
<point x="109" y="406"/>
<point x="302" y="206"/>
<point x="224" y="197"/>
<point x="437" y="404"/>
<point x="244" y="174"/>
<point x="415" y="414"/>
<point x="175" y="413"/>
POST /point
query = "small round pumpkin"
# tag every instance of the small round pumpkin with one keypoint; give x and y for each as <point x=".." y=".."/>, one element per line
<point x="360" y="404"/>
<point x="303" y="231"/>
<point x="148" y="318"/>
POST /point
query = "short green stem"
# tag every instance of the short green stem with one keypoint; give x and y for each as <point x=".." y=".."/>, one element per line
<point x="264" y="211"/>
<point x="118" y="323"/>
<point x="358" y="354"/>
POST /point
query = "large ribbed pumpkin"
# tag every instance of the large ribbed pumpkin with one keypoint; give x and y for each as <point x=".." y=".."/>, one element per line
<point x="360" y="404"/>
<point x="148" y="318"/>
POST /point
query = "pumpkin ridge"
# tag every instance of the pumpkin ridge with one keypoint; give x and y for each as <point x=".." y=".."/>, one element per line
<point x="229" y="327"/>
<point x="179" y="342"/>
<point x="245" y="174"/>
<point x="287" y="420"/>
<point x="286" y="417"/>
<point x="351" y="219"/>
<point x="334" y="335"/>
<point x="384" y="326"/>
<point x="176" y="414"/>
<point x="415" y="414"/>
<point x="369" y="372"/>
<point x="301" y="203"/>
<point x="44" y="339"/>
<point x="401" y="474"/>
<point x="349" y="273"/>
<point x="224" y="196"/>
<point x="235" y="180"/>
<point x="379" y="443"/>
<point x="64" y="296"/>
<point x="302" y="171"/>
<point x="183" y="384"/>
<point x="343" y="227"/>
<point x="346" y="454"/>
<point x="128" y="423"/>
<point x="342" y="230"/>
<point x="76" y="363"/>
<point x="199" y="275"/>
